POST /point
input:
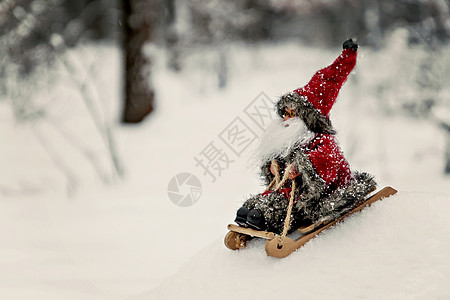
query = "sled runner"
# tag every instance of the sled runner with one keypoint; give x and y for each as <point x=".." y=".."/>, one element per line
<point x="282" y="246"/>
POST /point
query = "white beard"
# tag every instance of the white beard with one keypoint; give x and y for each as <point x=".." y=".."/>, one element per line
<point x="280" y="138"/>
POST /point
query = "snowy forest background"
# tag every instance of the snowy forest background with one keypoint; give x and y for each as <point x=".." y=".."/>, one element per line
<point x="103" y="102"/>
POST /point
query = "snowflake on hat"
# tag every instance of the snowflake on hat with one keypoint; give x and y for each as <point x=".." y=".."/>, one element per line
<point x="302" y="144"/>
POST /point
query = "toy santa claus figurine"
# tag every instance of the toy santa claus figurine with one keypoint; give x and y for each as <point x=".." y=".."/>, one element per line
<point x="301" y="147"/>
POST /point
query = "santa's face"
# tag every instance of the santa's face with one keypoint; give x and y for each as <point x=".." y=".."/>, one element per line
<point x="282" y="136"/>
<point x="288" y="113"/>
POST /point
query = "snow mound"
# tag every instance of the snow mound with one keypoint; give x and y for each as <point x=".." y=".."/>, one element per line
<point x="397" y="248"/>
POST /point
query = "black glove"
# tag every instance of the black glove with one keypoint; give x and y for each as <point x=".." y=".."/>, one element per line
<point x="350" y="44"/>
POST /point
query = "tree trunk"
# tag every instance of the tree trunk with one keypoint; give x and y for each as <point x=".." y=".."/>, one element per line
<point x="447" y="153"/>
<point x="139" y="18"/>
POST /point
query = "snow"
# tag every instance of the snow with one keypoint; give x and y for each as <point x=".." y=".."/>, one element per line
<point x="377" y="254"/>
<point x="126" y="239"/>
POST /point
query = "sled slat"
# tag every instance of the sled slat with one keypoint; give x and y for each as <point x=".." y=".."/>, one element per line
<point x="251" y="232"/>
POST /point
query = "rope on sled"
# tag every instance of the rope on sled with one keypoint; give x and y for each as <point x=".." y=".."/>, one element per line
<point x="285" y="177"/>
<point x="278" y="184"/>
<point x="287" y="221"/>
<point x="276" y="179"/>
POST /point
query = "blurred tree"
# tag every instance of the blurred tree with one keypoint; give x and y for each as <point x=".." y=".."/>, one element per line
<point x="415" y="82"/>
<point x="214" y="24"/>
<point x="170" y="33"/>
<point x="37" y="31"/>
<point x="328" y="22"/>
<point x="35" y="36"/>
<point x="139" y="18"/>
<point x="431" y="100"/>
<point x="27" y="27"/>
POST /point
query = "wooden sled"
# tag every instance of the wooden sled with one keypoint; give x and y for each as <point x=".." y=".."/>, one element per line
<point x="238" y="237"/>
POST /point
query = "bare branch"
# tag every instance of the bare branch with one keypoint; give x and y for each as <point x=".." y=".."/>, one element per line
<point x="57" y="159"/>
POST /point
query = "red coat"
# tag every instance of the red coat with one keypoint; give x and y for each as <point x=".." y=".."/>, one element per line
<point x="328" y="160"/>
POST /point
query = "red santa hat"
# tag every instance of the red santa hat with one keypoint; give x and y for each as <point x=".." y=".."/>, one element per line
<point x="313" y="102"/>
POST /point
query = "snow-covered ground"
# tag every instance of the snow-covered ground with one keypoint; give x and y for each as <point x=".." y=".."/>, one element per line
<point x="378" y="254"/>
<point x="128" y="239"/>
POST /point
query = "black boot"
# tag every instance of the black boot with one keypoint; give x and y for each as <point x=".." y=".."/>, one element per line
<point x="255" y="220"/>
<point x="241" y="216"/>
